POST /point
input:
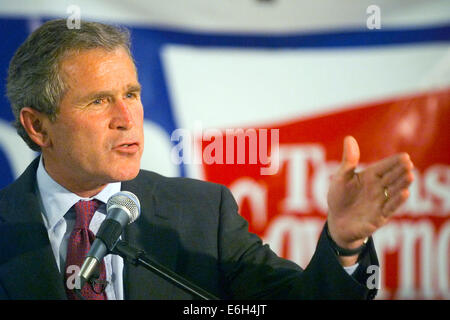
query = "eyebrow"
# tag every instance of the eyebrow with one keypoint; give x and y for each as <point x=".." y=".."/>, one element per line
<point x="100" y="94"/>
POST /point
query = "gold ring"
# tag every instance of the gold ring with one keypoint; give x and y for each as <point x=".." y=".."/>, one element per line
<point x="386" y="194"/>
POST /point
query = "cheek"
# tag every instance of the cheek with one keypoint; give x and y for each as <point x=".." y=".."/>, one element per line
<point x="139" y="114"/>
<point x="60" y="137"/>
<point x="77" y="140"/>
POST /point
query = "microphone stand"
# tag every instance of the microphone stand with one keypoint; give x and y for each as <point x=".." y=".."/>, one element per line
<point x="138" y="257"/>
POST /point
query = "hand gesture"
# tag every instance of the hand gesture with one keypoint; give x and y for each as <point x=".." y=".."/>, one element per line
<point x="361" y="202"/>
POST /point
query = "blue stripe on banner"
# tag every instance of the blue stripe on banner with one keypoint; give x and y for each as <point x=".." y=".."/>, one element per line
<point x="305" y="40"/>
<point x="12" y="33"/>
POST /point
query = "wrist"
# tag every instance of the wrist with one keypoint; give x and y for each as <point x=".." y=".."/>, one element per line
<point x="347" y="250"/>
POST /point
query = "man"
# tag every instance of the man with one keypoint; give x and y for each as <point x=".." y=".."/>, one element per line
<point x="76" y="99"/>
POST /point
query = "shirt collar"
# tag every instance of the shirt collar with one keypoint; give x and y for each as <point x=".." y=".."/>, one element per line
<point x="57" y="200"/>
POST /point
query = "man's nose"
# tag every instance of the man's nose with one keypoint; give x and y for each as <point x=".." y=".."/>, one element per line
<point x="122" y="118"/>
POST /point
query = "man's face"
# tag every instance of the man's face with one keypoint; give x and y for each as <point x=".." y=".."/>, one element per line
<point x="97" y="137"/>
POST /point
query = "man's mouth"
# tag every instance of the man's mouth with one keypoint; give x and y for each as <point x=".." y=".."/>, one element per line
<point x="127" y="147"/>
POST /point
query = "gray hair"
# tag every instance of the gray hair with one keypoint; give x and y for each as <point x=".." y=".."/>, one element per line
<point x="34" y="78"/>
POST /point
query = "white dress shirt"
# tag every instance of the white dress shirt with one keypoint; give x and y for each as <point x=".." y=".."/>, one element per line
<point x="59" y="219"/>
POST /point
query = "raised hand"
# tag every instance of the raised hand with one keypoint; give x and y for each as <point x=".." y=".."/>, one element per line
<point x="361" y="202"/>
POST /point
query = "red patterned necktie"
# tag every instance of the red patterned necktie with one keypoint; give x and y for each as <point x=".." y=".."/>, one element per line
<point x="79" y="244"/>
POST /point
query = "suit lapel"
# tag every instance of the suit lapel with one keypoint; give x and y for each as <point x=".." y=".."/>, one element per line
<point x="153" y="232"/>
<point x="28" y="268"/>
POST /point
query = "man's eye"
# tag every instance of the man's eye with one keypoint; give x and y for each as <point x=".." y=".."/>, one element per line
<point x="97" y="101"/>
<point x="131" y="95"/>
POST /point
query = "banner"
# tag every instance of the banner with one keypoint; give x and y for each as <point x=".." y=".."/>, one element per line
<point x="288" y="209"/>
<point x="265" y="113"/>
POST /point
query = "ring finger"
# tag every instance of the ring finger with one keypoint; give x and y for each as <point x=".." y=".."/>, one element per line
<point x="392" y="204"/>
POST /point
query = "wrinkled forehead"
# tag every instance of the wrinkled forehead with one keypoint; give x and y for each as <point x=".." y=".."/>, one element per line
<point x="96" y="64"/>
<point x="86" y="58"/>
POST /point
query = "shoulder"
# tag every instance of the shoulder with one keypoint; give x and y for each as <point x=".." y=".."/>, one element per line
<point x="20" y="192"/>
<point x="24" y="183"/>
<point x="179" y="189"/>
<point x="176" y="183"/>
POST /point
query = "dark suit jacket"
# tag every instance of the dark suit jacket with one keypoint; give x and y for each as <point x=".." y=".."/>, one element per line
<point x="191" y="227"/>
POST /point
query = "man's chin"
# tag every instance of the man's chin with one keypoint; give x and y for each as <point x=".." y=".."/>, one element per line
<point x="126" y="175"/>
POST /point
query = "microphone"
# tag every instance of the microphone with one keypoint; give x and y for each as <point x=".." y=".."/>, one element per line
<point x="122" y="208"/>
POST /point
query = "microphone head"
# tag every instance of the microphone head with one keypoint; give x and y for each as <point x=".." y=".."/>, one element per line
<point x="128" y="200"/>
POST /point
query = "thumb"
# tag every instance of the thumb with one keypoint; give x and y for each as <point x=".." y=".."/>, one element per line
<point x="350" y="156"/>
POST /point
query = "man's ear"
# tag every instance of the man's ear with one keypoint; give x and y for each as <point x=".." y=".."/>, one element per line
<point x="34" y="123"/>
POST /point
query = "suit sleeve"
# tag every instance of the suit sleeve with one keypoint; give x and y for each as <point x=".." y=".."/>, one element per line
<point x="3" y="295"/>
<point x="253" y="271"/>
